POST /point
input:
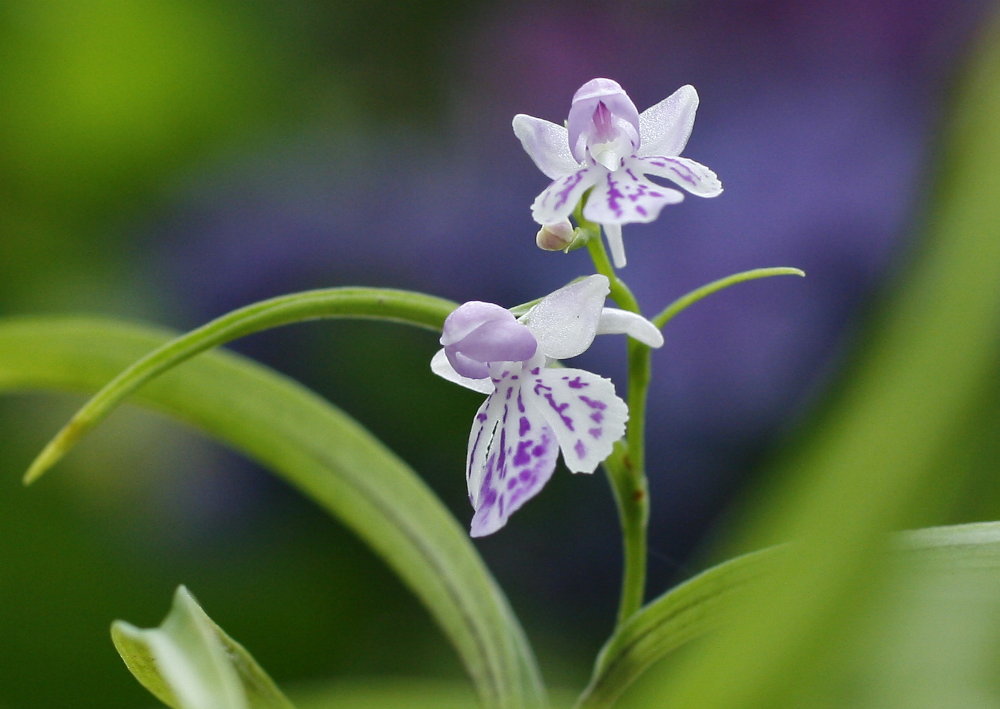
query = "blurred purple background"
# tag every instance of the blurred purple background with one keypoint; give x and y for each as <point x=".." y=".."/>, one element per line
<point x="372" y="146"/>
<point x="818" y="118"/>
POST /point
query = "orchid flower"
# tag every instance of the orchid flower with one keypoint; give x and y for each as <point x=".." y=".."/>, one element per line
<point x="531" y="411"/>
<point x="609" y="146"/>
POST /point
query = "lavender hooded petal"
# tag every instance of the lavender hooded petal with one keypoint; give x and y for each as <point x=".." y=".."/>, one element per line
<point x="469" y="316"/>
<point x="442" y="367"/>
<point x="601" y="112"/>
<point x="478" y="333"/>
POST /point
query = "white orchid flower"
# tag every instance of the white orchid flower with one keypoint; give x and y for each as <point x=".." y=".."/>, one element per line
<point x="532" y="411"/>
<point x="609" y="146"/>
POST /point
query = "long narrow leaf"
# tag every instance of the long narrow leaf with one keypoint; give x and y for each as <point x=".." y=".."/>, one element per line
<point x="376" y="303"/>
<point x="701" y="604"/>
<point x="316" y="448"/>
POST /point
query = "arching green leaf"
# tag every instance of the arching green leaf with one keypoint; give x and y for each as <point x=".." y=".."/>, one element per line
<point x="319" y="450"/>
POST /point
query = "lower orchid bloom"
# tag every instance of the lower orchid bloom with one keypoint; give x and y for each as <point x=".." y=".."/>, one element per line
<point x="609" y="146"/>
<point x="533" y="411"/>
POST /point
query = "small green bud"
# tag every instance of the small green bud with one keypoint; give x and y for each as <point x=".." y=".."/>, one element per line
<point x="555" y="237"/>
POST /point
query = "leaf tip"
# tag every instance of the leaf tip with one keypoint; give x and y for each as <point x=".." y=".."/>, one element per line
<point x="123" y="629"/>
<point x="45" y="460"/>
<point x="53" y="452"/>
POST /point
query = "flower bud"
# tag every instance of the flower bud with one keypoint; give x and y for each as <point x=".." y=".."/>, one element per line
<point x="555" y="237"/>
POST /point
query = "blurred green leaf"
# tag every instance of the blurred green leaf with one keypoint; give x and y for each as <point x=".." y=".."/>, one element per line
<point x="702" y="604"/>
<point x="189" y="662"/>
<point x="319" y="450"/>
<point x="927" y="358"/>
<point x="386" y="693"/>
<point x="395" y="693"/>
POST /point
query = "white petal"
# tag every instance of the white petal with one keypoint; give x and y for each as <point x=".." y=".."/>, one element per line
<point x="547" y="145"/>
<point x="622" y="322"/>
<point x="581" y="409"/>
<point x="565" y="321"/>
<point x="692" y="176"/>
<point x="664" y="129"/>
<point x="613" y="233"/>
<point x="480" y="439"/>
<point x="442" y="367"/>
<point x="512" y="453"/>
<point x="625" y="197"/>
<point x="559" y="199"/>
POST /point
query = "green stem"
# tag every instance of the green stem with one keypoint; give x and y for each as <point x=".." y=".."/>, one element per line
<point x="620" y="293"/>
<point x="634" y="504"/>
<point x="626" y="467"/>
<point x="689" y="299"/>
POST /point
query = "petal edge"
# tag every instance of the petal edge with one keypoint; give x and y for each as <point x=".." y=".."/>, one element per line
<point x="547" y="144"/>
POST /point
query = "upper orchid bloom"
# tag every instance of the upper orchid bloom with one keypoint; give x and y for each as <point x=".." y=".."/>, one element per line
<point x="608" y="145"/>
<point x="532" y="412"/>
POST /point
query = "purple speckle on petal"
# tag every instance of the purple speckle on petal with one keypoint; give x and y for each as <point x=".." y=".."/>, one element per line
<point x="576" y="383"/>
<point x="595" y="432"/>
<point x="594" y="403"/>
<point x="558" y="408"/>
<point x="568" y="183"/>
<point x="684" y="172"/>
<point x="597" y="417"/>
<point x="525" y="426"/>
<point x="521" y="457"/>
<point x="502" y="448"/>
<point x="614" y="195"/>
<point x="581" y="450"/>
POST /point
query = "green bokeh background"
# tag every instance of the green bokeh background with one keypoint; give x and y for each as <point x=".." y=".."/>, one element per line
<point x="104" y="103"/>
